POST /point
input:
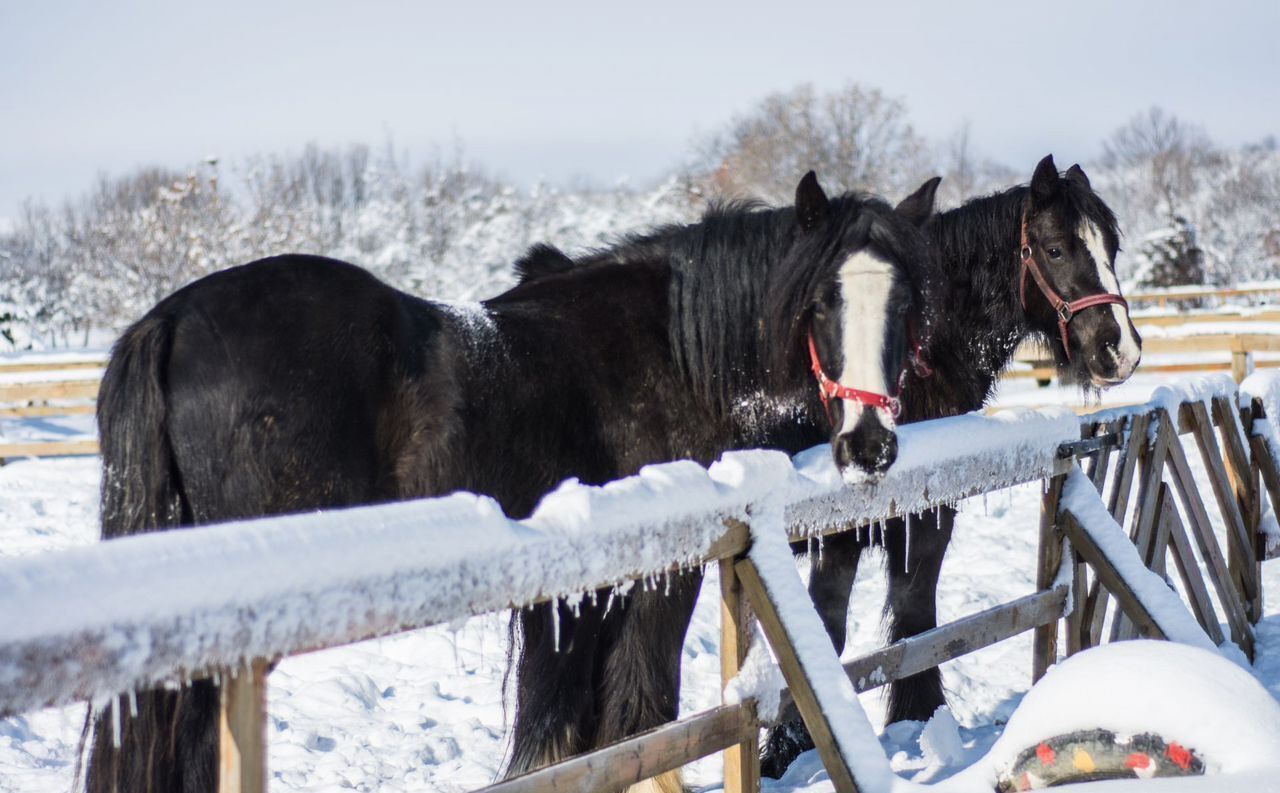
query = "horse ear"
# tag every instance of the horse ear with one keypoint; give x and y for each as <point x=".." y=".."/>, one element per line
<point x="1076" y="174"/>
<point x="918" y="207"/>
<point x="1044" y="182"/>
<point x="811" y="202"/>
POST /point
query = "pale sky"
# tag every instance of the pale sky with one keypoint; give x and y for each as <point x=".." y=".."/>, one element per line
<point x="596" y="90"/>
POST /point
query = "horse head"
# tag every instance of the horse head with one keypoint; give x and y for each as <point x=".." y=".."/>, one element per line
<point x="851" y="322"/>
<point x="1068" y="286"/>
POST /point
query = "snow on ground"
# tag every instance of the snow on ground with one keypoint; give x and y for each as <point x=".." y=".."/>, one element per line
<point x="424" y="711"/>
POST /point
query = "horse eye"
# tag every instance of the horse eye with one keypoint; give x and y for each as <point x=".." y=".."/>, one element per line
<point x="1054" y="253"/>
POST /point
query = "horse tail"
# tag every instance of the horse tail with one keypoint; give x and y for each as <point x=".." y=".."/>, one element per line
<point x="156" y="741"/>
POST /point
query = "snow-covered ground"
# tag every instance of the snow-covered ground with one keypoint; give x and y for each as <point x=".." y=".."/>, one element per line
<point x="425" y="710"/>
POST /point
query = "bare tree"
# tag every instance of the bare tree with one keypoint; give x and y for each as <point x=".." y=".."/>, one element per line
<point x="856" y="138"/>
<point x="965" y="173"/>
<point x="1163" y="151"/>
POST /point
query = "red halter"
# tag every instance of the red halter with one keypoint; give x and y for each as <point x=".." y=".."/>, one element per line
<point x="1066" y="311"/>
<point x="830" y="389"/>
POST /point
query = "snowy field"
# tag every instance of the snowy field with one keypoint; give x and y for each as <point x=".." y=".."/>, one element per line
<point x="424" y="711"/>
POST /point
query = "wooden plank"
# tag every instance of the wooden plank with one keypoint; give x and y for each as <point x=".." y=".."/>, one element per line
<point x="1224" y="471"/>
<point x="1044" y="651"/>
<point x="1189" y="571"/>
<point x="955" y="639"/>
<point x="29" y="411"/>
<point x="1241" y="473"/>
<point x="1101" y="466"/>
<point x="1157" y="552"/>
<point x="640" y="757"/>
<point x="52" y="366"/>
<point x="10" y="451"/>
<point x="1110" y="577"/>
<point x="1049" y="373"/>
<point x="242" y="730"/>
<point x="915" y="654"/>
<point x="1240" y="365"/>
<point x="1077" y="629"/>
<point x="1117" y="505"/>
<point x="1202" y="530"/>
<point x="742" y="760"/>
<point x="1181" y="294"/>
<point x="54" y="389"/>
<point x="1151" y="467"/>
<point x="1270" y="479"/>
<point x="806" y="698"/>
<point x="1197" y="318"/>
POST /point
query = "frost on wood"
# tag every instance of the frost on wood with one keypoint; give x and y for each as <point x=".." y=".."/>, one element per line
<point x="1080" y="498"/>
<point x="759" y="679"/>
<point x="1264" y="385"/>
<point x="96" y="621"/>
<point x="939" y="462"/>
<point x="854" y="737"/>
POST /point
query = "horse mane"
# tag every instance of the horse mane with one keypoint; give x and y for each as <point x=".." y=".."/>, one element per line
<point x="745" y="279"/>
<point x="738" y="311"/>
<point x="541" y="260"/>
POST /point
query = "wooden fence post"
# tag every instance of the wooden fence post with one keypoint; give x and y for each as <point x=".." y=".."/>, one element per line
<point x="806" y="699"/>
<point x="742" y="760"/>
<point x="1045" y="646"/>
<point x="242" y="729"/>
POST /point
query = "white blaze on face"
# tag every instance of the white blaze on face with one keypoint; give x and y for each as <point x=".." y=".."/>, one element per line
<point x="866" y="282"/>
<point x="1128" y="351"/>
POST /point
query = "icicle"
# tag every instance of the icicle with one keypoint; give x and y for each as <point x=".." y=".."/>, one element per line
<point x="133" y="704"/>
<point x="115" y="724"/>
<point x="667" y="591"/>
<point x="555" y="624"/>
<point x="906" y="557"/>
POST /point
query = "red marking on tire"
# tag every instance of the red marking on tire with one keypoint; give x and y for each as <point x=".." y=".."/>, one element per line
<point x="1137" y="760"/>
<point x="1180" y="756"/>
<point x="1046" y="754"/>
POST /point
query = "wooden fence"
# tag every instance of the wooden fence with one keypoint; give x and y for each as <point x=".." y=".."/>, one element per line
<point x="1183" y="294"/>
<point x="1241" y="348"/>
<point x="63" y="385"/>
<point x="1121" y="450"/>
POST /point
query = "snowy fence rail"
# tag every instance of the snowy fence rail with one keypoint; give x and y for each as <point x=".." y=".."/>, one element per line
<point x="92" y="623"/>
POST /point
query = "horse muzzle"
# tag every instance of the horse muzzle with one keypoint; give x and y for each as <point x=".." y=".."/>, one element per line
<point x="870" y="447"/>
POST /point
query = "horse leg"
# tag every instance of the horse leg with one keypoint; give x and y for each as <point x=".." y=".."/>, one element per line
<point x="912" y="604"/>
<point x="555" y="707"/>
<point x="830" y="586"/>
<point x="639" y="683"/>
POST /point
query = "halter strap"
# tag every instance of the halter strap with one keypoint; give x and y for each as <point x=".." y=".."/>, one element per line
<point x="1065" y="310"/>
<point x="830" y="389"/>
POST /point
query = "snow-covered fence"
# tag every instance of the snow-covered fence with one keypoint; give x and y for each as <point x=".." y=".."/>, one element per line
<point x="53" y="384"/>
<point x="93" y="623"/>
<point x="1181" y="294"/>
<point x="1239" y="344"/>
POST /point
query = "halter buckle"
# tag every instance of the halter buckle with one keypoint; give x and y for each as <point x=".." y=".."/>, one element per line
<point x="1065" y="313"/>
<point x="1026" y="252"/>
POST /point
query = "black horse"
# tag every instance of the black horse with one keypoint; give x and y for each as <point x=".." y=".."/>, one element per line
<point x="1034" y="261"/>
<point x="299" y="383"/>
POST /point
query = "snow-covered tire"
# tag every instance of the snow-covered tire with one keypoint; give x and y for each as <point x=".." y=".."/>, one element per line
<point x="1092" y="755"/>
<point x="1139" y="709"/>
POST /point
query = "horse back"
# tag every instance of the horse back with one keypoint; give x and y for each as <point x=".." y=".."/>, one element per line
<point x="285" y="386"/>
